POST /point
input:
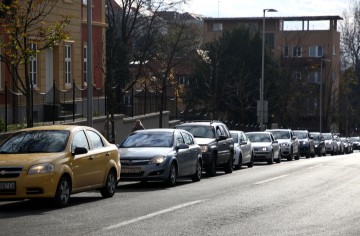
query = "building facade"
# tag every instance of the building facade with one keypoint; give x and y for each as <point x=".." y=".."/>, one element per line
<point x="58" y="74"/>
<point x="309" y="48"/>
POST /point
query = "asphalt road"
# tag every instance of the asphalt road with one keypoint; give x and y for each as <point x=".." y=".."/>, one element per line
<point x="317" y="196"/>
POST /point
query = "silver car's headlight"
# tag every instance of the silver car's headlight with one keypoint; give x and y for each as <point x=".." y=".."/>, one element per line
<point x="204" y="148"/>
<point x="41" y="169"/>
<point x="157" y="159"/>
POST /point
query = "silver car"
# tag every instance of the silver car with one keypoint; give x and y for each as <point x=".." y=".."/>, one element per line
<point x="243" y="150"/>
<point x="289" y="143"/>
<point x="330" y="144"/>
<point x="266" y="147"/>
<point x="160" y="154"/>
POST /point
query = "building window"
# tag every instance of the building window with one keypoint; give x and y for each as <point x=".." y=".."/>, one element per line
<point x="127" y="100"/>
<point x="312" y="105"/>
<point x="286" y="51"/>
<point x="315" y="51"/>
<point x="314" y="77"/>
<point x="33" y="65"/>
<point x="85" y="64"/>
<point x="183" y="80"/>
<point x="297" y="52"/>
<point x="68" y="64"/>
<point x="217" y="27"/>
<point x="269" y="40"/>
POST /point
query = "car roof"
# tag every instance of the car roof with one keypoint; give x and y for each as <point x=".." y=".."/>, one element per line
<point x="204" y="123"/>
<point x="55" y="127"/>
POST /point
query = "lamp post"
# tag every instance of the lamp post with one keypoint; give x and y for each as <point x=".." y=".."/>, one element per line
<point x="262" y="70"/>
<point x="321" y="82"/>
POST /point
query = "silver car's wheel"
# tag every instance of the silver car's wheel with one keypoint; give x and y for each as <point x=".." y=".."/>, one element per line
<point x="171" y="180"/>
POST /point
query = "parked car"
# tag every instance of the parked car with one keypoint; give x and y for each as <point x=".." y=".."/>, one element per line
<point x="306" y="143"/>
<point x="266" y="147"/>
<point x="355" y="142"/>
<point x="160" y="155"/>
<point x="289" y="144"/>
<point x="56" y="161"/>
<point x="340" y="144"/>
<point x="243" y="150"/>
<point x="319" y="143"/>
<point x="348" y="148"/>
<point x="330" y="144"/>
<point x="217" y="145"/>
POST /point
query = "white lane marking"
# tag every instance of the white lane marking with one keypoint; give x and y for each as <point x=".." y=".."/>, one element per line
<point x="313" y="167"/>
<point x="272" y="179"/>
<point x="111" y="227"/>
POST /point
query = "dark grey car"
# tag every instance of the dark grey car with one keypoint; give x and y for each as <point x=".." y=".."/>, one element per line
<point x="160" y="154"/>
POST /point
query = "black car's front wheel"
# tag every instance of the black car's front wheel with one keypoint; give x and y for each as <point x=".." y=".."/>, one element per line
<point x="211" y="167"/>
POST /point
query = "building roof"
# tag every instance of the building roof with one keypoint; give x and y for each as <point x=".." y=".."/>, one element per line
<point x="284" y="18"/>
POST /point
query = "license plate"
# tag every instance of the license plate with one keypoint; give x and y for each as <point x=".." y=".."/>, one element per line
<point x="129" y="170"/>
<point x="7" y="185"/>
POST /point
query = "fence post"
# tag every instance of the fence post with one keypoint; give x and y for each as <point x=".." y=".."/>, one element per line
<point x="53" y="110"/>
<point x="6" y="106"/>
<point x="74" y="101"/>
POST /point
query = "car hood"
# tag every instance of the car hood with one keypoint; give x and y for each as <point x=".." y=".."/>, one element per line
<point x="262" y="144"/>
<point x="145" y="152"/>
<point x="26" y="160"/>
<point x="204" y="141"/>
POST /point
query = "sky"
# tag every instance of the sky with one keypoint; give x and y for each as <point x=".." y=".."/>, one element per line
<point x="254" y="8"/>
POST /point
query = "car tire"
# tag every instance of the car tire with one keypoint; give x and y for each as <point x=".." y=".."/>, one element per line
<point x="110" y="185"/>
<point x="172" y="177"/>
<point x="271" y="161"/>
<point x="278" y="160"/>
<point x="291" y="156"/>
<point x="228" y="168"/>
<point x="211" y="167"/>
<point x="238" y="166"/>
<point x="251" y="163"/>
<point x="196" y="177"/>
<point x="63" y="190"/>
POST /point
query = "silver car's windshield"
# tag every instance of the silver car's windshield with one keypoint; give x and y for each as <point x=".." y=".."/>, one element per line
<point x="281" y="134"/>
<point x="235" y="136"/>
<point x="148" y="139"/>
<point x="42" y="141"/>
<point x="259" y="137"/>
<point x="327" y="136"/>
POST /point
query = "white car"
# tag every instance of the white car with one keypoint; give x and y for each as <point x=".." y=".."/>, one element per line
<point x="243" y="150"/>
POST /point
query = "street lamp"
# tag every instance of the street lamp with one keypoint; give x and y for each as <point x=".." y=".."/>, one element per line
<point x="262" y="70"/>
<point x="321" y="80"/>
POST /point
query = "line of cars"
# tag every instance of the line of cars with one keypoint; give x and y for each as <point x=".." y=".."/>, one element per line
<point x="56" y="161"/>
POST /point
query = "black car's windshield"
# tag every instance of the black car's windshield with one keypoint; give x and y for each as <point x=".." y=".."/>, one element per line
<point x="148" y="139"/>
<point x="316" y="137"/>
<point x="199" y="131"/>
<point x="39" y="141"/>
<point x="259" y="137"/>
<point x="281" y="134"/>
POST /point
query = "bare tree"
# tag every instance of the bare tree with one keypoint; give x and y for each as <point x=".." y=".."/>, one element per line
<point x="27" y="31"/>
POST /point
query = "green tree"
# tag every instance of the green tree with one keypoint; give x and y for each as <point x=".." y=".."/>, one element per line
<point x="23" y="24"/>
